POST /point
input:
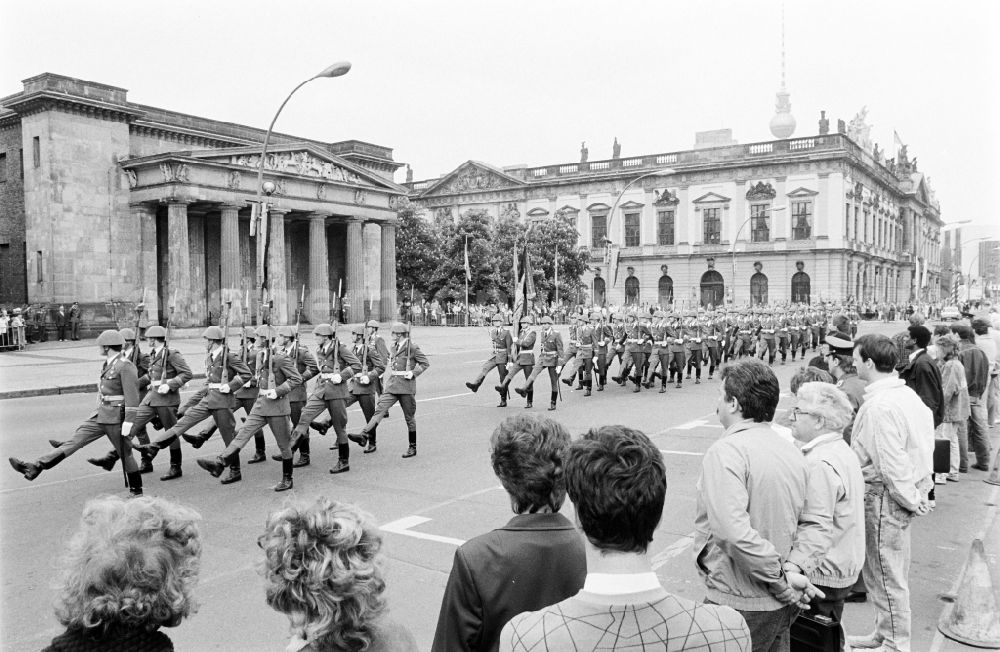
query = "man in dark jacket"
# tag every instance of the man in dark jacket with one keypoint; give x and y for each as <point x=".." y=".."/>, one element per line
<point x="977" y="375"/>
<point x="537" y="559"/>
<point x="921" y="374"/>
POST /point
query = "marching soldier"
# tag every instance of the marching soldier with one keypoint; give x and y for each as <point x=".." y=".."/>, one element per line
<point x="604" y="338"/>
<point x="305" y="364"/>
<point x="661" y="349"/>
<point x="118" y="399"/>
<point x="406" y="361"/>
<point x="653" y="361"/>
<point x="715" y="329"/>
<point x="550" y="351"/>
<point x="364" y="385"/>
<point x="767" y="332"/>
<point x="618" y="343"/>
<point x="695" y="346"/>
<point x="805" y="331"/>
<point x="676" y="348"/>
<point x="783" y="322"/>
<point x="794" y="321"/>
<point x="337" y="364"/>
<point x="224" y="375"/>
<point x="276" y="377"/>
<point x="502" y="342"/>
<point x="586" y="338"/>
<point x="570" y="354"/>
<point x="524" y="360"/>
<point x="375" y="340"/>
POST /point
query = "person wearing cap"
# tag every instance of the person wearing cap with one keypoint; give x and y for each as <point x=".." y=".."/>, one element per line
<point x="839" y="355"/>
<point x="604" y="341"/>
<point x="524" y="360"/>
<point x="694" y="340"/>
<point x="583" y="359"/>
<point x="376" y="342"/>
<point x="364" y="385"/>
<point x="782" y="323"/>
<point x="766" y="332"/>
<point x="550" y="350"/>
<point x="676" y="351"/>
<point x="661" y="351"/>
<point x="405" y="363"/>
<point x="619" y="335"/>
<point x="118" y="399"/>
<point x="502" y="343"/>
<point x="305" y="364"/>
<point x="224" y="375"/>
<point x="337" y="364"/>
<point x="277" y="376"/>
<point x="570" y="353"/>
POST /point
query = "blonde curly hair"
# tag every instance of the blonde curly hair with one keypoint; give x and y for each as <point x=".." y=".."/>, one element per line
<point x="323" y="570"/>
<point x="132" y="564"/>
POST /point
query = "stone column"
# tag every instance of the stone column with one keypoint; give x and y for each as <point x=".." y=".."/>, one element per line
<point x="179" y="264"/>
<point x="371" y="236"/>
<point x="318" y="298"/>
<point x="232" y="286"/>
<point x="355" y="271"/>
<point x="277" y="284"/>
<point x="144" y="221"/>
<point x="387" y="304"/>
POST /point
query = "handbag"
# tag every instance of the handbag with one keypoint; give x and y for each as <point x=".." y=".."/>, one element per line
<point x="814" y="633"/>
<point x="942" y="456"/>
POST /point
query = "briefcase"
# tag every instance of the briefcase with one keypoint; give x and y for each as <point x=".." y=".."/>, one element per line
<point x="942" y="455"/>
<point x="815" y="633"/>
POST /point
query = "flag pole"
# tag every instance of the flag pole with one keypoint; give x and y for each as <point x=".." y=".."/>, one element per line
<point x="557" y="280"/>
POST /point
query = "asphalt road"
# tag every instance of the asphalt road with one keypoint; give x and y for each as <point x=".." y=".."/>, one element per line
<point x="427" y="505"/>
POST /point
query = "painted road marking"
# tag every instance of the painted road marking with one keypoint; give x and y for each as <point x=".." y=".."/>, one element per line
<point x="674" y="549"/>
<point x="666" y="452"/>
<point x="403" y="525"/>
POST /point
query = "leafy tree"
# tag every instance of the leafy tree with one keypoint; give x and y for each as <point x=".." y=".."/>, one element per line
<point x="418" y="251"/>
<point x="546" y="240"/>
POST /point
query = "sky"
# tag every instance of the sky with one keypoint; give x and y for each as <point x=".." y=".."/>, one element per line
<point x="525" y="82"/>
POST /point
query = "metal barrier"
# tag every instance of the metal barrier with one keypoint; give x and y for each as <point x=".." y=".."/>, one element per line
<point x="12" y="338"/>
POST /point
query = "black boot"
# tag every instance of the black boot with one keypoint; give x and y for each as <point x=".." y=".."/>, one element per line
<point x="30" y="470"/>
<point x="552" y="401"/>
<point x="412" y="450"/>
<point x="359" y="438"/>
<point x="234" y="470"/>
<point x="174" y="471"/>
<point x="343" y="459"/>
<point x="214" y="465"/>
<point x="55" y="443"/>
<point x="107" y="462"/>
<point x="588" y="385"/>
<point x="474" y="386"/>
<point x="521" y="391"/>
<point x="371" y="448"/>
<point x="568" y="381"/>
<point x="134" y="483"/>
<point x="206" y="433"/>
<point x="303" y="454"/>
<point x="286" y="476"/>
<point x="145" y="464"/>
<point x="531" y="397"/>
<point x="259" y="452"/>
<point x="319" y="427"/>
<point x="196" y="441"/>
<point x="503" y="397"/>
<point x="151" y="449"/>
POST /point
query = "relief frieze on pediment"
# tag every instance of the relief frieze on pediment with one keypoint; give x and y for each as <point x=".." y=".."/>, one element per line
<point x="301" y="163"/>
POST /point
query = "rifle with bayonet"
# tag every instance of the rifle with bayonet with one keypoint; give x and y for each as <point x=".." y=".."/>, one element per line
<point x="243" y="327"/>
<point x="166" y="340"/>
<point x="225" y="341"/>
<point x="298" y="318"/>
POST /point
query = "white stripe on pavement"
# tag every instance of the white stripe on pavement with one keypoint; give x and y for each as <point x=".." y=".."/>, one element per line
<point x="403" y="525"/>
<point x="674" y="549"/>
<point x="666" y="452"/>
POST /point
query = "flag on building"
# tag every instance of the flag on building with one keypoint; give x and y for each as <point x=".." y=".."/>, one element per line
<point x="529" y="279"/>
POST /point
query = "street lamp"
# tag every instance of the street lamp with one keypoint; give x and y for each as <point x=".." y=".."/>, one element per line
<point x="768" y="209"/>
<point x="662" y="172"/>
<point x="335" y="70"/>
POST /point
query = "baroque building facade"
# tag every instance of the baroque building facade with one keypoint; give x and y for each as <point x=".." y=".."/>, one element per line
<point x="107" y="201"/>
<point x="818" y="218"/>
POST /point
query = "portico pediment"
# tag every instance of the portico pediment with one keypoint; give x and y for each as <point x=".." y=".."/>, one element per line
<point x="472" y="176"/>
<point x="711" y="198"/>
<point x="801" y="193"/>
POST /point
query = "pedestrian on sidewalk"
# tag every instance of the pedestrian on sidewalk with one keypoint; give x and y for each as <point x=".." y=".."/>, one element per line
<point x="956" y="400"/>
<point x="62" y="319"/>
<point x="74" y="321"/>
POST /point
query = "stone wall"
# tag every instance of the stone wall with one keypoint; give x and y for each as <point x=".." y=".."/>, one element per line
<point x="13" y="280"/>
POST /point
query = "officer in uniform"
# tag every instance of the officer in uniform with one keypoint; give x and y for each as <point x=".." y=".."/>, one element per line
<point x="337" y="364"/>
<point x="694" y="340"/>
<point x="604" y="338"/>
<point x="364" y="385"/>
<point x="676" y="348"/>
<point x="406" y="361"/>
<point x="783" y="324"/>
<point x="619" y="335"/>
<point x="550" y="351"/>
<point x="524" y="360"/>
<point x="661" y="349"/>
<point x="715" y="328"/>
<point x="224" y="375"/>
<point x="290" y="347"/>
<point x="276" y="377"/>
<point x="768" y="330"/>
<point x="166" y="373"/>
<point x="502" y="341"/>
<point x="570" y="353"/>
<point x="587" y="338"/>
<point x="118" y="400"/>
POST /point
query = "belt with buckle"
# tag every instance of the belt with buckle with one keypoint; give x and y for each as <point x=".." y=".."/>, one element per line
<point x="109" y="399"/>
<point x="216" y="385"/>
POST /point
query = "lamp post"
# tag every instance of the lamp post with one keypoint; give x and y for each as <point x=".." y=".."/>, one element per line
<point x="335" y="70"/>
<point x="736" y="237"/>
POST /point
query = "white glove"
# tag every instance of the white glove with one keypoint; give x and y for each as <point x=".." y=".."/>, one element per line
<point x="126" y="428"/>
<point x="510" y="365"/>
<point x="559" y="369"/>
<point x="271" y="393"/>
<point x="364" y="380"/>
<point x="337" y="379"/>
<point x="224" y="389"/>
<point x="408" y="375"/>
<point x="163" y="389"/>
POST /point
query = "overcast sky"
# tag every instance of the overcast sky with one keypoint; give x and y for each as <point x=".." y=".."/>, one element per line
<point x="526" y="82"/>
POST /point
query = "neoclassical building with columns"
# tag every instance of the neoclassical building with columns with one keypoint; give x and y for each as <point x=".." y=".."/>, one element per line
<point x="105" y="201"/>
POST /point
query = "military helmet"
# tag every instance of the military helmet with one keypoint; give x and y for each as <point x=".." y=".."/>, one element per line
<point x="286" y="331"/>
<point x="128" y="334"/>
<point x="249" y="333"/>
<point x="400" y="329"/>
<point x="527" y="319"/>
<point x="212" y="333"/>
<point x="659" y="314"/>
<point x="110" y="338"/>
<point x="371" y="323"/>
<point x="358" y="330"/>
<point x="545" y="320"/>
<point x="323" y="329"/>
<point x="496" y="319"/>
<point x="596" y="316"/>
<point x="263" y="331"/>
<point x="156" y="331"/>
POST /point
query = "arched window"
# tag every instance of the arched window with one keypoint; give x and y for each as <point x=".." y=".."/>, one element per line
<point x="758" y="289"/>
<point x="665" y="291"/>
<point x="800" y="287"/>
<point x="631" y="291"/>
<point x="713" y="289"/>
<point x="599" y="291"/>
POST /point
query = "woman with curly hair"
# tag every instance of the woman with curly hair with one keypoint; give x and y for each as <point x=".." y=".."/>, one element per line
<point x="324" y="571"/>
<point x="129" y="570"/>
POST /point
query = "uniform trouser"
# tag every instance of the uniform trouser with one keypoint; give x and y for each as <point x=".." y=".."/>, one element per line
<point x="524" y="368"/>
<point x="553" y="377"/>
<point x="793" y="338"/>
<point x="75" y="330"/>
<point x="584" y="360"/>
<point x="315" y="407"/>
<point x="783" y="347"/>
<point x="247" y="405"/>
<point x="677" y="362"/>
<point x="652" y="362"/>
<point x="713" y="358"/>
<point x="745" y="347"/>
<point x="887" y="566"/>
<point x="639" y="360"/>
<point x="488" y="366"/>
<point x="406" y="401"/>
<point x="665" y="357"/>
<point x="88" y="432"/>
<point x="979" y="437"/>
<point x="818" y="334"/>
<point x="601" y="367"/>
<point x="145" y="413"/>
<point x="695" y="360"/>
<point x="223" y="417"/>
<point x="767" y="344"/>
<point x="280" y="426"/>
<point x="367" y="402"/>
<point x="804" y="341"/>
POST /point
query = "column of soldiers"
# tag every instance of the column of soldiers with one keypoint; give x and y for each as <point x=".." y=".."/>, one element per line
<point x="266" y="377"/>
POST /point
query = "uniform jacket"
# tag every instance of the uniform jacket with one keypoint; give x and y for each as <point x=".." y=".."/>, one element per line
<point x="335" y="358"/>
<point x="286" y="378"/>
<point x="249" y="356"/>
<point x="139" y="359"/>
<point x="118" y="388"/>
<point x="237" y="372"/>
<point x="693" y="335"/>
<point x="372" y="368"/>
<point x="526" y="347"/>
<point x="74" y="315"/>
<point x="606" y="334"/>
<point x="178" y="373"/>
<point x="406" y="356"/>
<point x="502" y="341"/>
<point x="550" y="348"/>
<point x="306" y="365"/>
